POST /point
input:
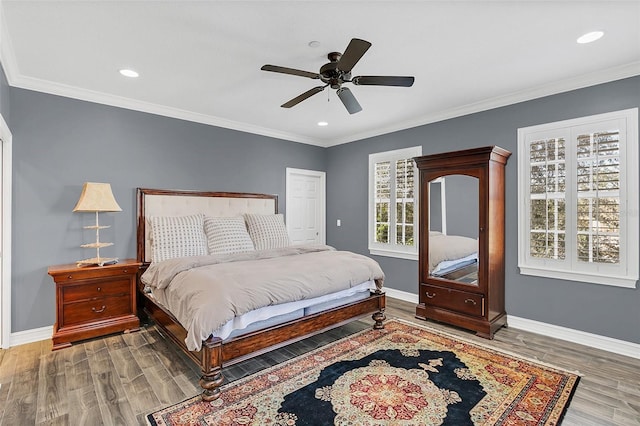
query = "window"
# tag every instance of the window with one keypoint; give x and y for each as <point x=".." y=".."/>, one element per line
<point x="393" y="207"/>
<point x="578" y="199"/>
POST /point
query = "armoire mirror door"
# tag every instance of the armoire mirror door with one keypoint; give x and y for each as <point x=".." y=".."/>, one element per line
<point x="453" y="228"/>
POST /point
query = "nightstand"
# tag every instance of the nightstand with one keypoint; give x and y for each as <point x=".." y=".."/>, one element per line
<point x="93" y="301"/>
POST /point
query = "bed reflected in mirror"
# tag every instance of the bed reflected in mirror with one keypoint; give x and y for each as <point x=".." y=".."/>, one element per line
<point x="453" y="228"/>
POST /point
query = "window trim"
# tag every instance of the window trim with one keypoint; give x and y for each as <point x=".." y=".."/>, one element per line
<point x="392" y="249"/>
<point x="624" y="275"/>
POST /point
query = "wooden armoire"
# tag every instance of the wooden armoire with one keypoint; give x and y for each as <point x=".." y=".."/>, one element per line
<point x="475" y="305"/>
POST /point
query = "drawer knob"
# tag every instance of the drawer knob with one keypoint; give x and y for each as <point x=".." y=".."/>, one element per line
<point x="97" y="311"/>
<point x="70" y="277"/>
<point x="431" y="295"/>
<point x="124" y="270"/>
<point x="473" y="302"/>
<point x="99" y="289"/>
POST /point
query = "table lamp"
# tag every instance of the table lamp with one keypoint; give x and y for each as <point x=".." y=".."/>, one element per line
<point x="97" y="197"/>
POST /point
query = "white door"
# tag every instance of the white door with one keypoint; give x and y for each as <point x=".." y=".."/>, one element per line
<point x="5" y="233"/>
<point x="306" y="206"/>
<point x="3" y="337"/>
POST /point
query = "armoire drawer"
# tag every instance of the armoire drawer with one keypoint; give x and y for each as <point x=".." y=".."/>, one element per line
<point x="454" y="300"/>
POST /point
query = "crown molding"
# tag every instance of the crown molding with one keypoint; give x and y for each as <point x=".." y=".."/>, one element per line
<point x="59" y="89"/>
<point x="574" y="83"/>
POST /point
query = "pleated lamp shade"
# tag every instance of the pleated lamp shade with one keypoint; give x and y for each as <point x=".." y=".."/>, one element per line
<point x="97" y="197"/>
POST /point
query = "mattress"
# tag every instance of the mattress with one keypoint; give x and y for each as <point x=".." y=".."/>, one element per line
<point x="448" y="266"/>
<point x="277" y="314"/>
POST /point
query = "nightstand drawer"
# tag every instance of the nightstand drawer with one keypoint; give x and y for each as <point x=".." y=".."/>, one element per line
<point x="454" y="300"/>
<point x="96" y="289"/>
<point x="95" y="310"/>
<point x="86" y="273"/>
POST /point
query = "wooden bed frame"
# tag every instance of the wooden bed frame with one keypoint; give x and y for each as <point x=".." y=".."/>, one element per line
<point x="215" y="353"/>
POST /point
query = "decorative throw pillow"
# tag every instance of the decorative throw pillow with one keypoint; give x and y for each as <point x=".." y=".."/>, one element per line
<point x="226" y="235"/>
<point x="267" y="231"/>
<point x="177" y="236"/>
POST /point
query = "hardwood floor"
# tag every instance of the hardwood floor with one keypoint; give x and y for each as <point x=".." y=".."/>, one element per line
<point x="120" y="379"/>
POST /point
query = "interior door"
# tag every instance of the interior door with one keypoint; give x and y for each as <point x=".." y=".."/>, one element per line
<point x="305" y="209"/>
<point x="5" y="233"/>
<point x="3" y="338"/>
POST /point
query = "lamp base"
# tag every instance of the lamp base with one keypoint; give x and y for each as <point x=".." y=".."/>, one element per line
<point x="100" y="261"/>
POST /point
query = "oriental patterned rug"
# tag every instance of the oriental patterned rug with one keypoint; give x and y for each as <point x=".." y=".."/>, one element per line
<point x="403" y="375"/>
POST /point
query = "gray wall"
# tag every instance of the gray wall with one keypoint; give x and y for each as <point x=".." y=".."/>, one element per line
<point x="59" y="143"/>
<point x="598" y="309"/>
<point x="4" y="96"/>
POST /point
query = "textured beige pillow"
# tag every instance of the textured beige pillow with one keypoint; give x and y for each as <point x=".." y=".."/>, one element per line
<point x="226" y="235"/>
<point x="177" y="236"/>
<point x="267" y="231"/>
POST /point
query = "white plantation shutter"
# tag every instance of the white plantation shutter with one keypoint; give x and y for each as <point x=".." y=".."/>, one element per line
<point x="405" y="201"/>
<point x="383" y="201"/>
<point x="392" y="205"/>
<point x="598" y="204"/>
<point x="578" y="183"/>
<point x="547" y="192"/>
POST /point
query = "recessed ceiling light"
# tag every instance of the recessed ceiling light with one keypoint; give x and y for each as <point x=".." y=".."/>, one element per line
<point x="322" y="123"/>
<point x="314" y="43"/>
<point x="590" y="37"/>
<point x="129" y="73"/>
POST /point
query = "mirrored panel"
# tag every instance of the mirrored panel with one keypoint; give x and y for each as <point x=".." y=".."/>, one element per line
<point x="453" y="228"/>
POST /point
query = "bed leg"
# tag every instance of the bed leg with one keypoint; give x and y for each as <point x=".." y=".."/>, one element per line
<point x="379" y="318"/>
<point x="211" y="385"/>
<point x="212" y="377"/>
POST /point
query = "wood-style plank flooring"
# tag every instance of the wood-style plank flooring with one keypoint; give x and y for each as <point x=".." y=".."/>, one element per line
<point x="120" y="379"/>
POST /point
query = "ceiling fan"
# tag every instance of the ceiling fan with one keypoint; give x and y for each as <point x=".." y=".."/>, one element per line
<point x="337" y="72"/>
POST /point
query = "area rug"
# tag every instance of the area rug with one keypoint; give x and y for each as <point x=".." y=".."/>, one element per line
<point x="402" y="375"/>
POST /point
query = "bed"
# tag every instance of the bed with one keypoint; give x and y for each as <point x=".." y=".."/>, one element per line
<point x="173" y="291"/>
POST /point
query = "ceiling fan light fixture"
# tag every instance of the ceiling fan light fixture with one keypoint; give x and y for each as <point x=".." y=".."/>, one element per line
<point x="129" y="73"/>
<point x="590" y="37"/>
<point x="337" y="72"/>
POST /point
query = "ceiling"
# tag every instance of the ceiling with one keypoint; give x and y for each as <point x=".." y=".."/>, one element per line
<point x="200" y="60"/>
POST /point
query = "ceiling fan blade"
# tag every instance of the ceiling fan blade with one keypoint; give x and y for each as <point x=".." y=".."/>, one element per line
<point x="291" y="71"/>
<point x="349" y="101"/>
<point x="295" y="101"/>
<point x="352" y="54"/>
<point x="371" y="80"/>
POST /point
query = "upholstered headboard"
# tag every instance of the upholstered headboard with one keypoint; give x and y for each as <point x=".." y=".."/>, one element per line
<point x="166" y="202"/>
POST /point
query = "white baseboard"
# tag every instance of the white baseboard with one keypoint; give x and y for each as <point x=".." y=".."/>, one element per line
<point x="30" y="336"/>
<point x="605" y="343"/>
<point x="402" y="295"/>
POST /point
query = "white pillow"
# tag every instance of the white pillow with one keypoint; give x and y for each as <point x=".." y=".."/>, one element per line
<point x="267" y="231"/>
<point x="177" y="236"/>
<point x="226" y="235"/>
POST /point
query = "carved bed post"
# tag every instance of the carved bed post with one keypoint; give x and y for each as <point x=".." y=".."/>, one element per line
<point x="379" y="316"/>
<point x="212" y="377"/>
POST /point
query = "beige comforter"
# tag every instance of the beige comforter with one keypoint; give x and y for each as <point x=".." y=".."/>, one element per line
<point x="205" y="292"/>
